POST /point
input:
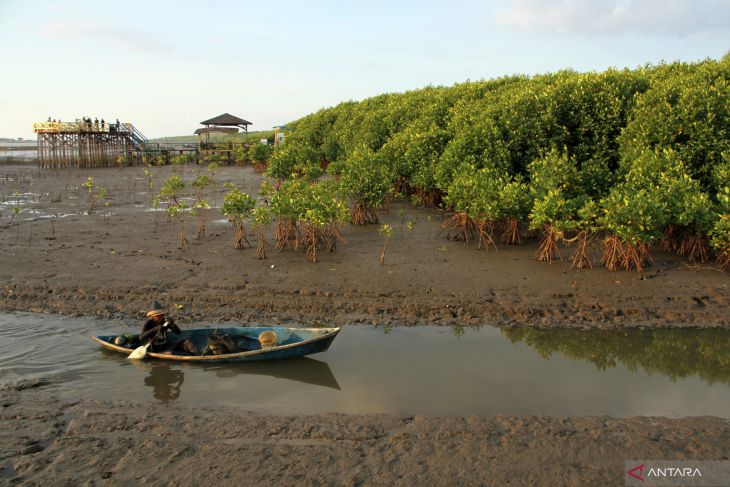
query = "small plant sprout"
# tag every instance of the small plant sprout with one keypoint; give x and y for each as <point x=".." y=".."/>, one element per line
<point x="53" y="226"/>
<point x="429" y="218"/>
<point x="149" y="175"/>
<point x="386" y="231"/>
<point x="237" y="206"/>
<point x="409" y="226"/>
<point x="201" y="184"/>
<point x="177" y="209"/>
<point x="95" y="192"/>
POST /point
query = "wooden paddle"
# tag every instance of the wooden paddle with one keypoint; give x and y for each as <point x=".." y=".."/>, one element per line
<point x="139" y="352"/>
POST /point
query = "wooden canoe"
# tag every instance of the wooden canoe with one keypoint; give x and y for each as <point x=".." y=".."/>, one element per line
<point x="290" y="342"/>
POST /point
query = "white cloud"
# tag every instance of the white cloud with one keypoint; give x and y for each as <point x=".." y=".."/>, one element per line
<point x="608" y="17"/>
<point x="110" y="35"/>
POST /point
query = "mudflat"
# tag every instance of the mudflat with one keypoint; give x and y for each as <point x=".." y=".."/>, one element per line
<point x="115" y="260"/>
<point x="54" y="257"/>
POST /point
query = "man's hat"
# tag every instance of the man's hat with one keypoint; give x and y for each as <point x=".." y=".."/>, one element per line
<point x="156" y="310"/>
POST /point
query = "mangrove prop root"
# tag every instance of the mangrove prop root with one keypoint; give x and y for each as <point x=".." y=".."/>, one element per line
<point x="548" y="249"/>
<point x="261" y="249"/>
<point x="241" y="237"/>
<point x="672" y="238"/>
<point x="612" y="253"/>
<point x="695" y="246"/>
<point x="431" y="198"/>
<point x="311" y="241"/>
<point x="201" y="225"/>
<point x="333" y="235"/>
<point x="511" y="234"/>
<point x="723" y="259"/>
<point x="582" y="257"/>
<point x="183" y="238"/>
<point x="485" y="231"/>
<point x="385" y="247"/>
<point x="636" y="256"/>
<point x="362" y="215"/>
<point x="459" y="227"/>
<point x="616" y="255"/>
<point x="286" y="234"/>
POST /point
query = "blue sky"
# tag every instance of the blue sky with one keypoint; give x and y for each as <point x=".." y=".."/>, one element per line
<point x="165" y="65"/>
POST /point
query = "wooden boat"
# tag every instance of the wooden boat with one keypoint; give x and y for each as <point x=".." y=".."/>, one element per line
<point x="290" y="342"/>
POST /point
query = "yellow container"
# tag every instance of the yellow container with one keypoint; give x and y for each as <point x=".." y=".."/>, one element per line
<point x="267" y="339"/>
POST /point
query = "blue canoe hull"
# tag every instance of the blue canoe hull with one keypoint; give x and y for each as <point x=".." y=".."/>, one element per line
<point x="291" y="342"/>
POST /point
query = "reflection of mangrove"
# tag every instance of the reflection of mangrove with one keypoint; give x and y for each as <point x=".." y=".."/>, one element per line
<point x="305" y="370"/>
<point x="165" y="381"/>
<point x="675" y="353"/>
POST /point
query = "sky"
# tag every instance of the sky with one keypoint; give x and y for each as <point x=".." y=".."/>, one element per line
<point x="167" y="65"/>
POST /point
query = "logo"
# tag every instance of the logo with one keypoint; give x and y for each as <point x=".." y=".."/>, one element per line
<point x="637" y="475"/>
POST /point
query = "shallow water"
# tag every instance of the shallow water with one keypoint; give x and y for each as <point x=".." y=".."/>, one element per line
<point x="418" y="370"/>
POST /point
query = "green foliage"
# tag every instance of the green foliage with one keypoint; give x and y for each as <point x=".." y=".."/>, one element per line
<point x="260" y="152"/>
<point x="366" y="179"/>
<point x="238" y="205"/>
<point x="627" y="151"/>
<point x="171" y="189"/>
<point x="664" y="176"/>
<point x="720" y="234"/>
<point x="181" y="159"/>
<point x="588" y="216"/>
<point x="635" y="216"/>
<point x="476" y="193"/>
<point x="386" y="230"/>
<point x="261" y="215"/>
<point x="687" y="109"/>
<point x="203" y="182"/>
<point x="312" y="203"/>
<point x="169" y="193"/>
<point x="551" y="172"/>
<point x="294" y="159"/>
<point x="514" y="200"/>
<point x="554" y="209"/>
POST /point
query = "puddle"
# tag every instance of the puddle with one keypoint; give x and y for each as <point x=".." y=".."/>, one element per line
<point x="401" y="370"/>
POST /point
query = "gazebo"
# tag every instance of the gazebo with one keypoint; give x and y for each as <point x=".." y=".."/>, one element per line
<point x="225" y="120"/>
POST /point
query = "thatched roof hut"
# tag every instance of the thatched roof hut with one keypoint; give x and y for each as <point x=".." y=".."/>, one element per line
<point x="225" y="120"/>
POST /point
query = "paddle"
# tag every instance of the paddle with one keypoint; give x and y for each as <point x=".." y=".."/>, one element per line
<point x="139" y="352"/>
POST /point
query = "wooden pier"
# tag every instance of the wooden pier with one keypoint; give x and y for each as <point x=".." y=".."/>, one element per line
<point x="88" y="144"/>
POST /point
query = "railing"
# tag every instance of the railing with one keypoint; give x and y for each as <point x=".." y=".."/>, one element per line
<point x="82" y="127"/>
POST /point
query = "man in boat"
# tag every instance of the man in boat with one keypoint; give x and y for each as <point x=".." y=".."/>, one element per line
<point x="155" y="331"/>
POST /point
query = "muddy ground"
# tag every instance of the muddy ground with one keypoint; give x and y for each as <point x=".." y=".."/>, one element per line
<point x="114" y="262"/>
<point x="47" y="442"/>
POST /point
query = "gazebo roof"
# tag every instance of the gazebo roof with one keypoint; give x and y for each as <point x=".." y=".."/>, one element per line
<point x="226" y="120"/>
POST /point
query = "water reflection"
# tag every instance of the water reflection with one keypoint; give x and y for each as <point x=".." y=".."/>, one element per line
<point x="166" y="379"/>
<point x="166" y="382"/>
<point x="304" y="370"/>
<point x="675" y="353"/>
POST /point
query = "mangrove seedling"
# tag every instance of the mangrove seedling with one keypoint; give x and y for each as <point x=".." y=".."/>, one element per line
<point x="237" y="206"/>
<point x="261" y="216"/>
<point x="95" y="192"/>
<point x="170" y="192"/>
<point x="201" y="184"/>
<point x="386" y="231"/>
